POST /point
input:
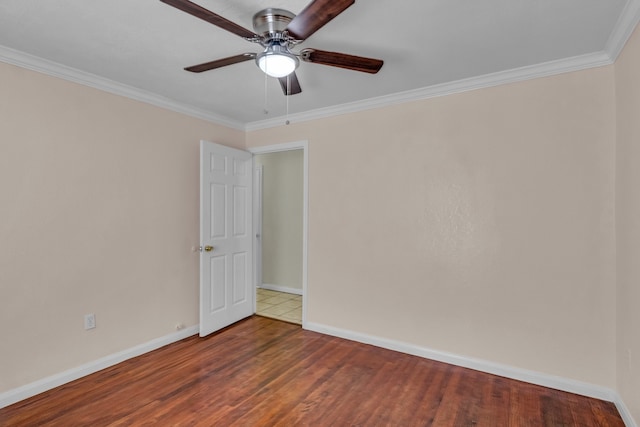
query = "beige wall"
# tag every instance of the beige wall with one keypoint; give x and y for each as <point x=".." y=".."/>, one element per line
<point x="98" y="214"/>
<point x="282" y="200"/>
<point x="480" y="224"/>
<point x="628" y="224"/>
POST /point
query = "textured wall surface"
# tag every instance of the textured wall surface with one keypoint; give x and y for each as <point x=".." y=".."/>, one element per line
<point x="628" y="224"/>
<point x="480" y="224"/>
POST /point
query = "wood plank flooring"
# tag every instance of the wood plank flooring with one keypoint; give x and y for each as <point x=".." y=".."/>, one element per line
<point x="263" y="372"/>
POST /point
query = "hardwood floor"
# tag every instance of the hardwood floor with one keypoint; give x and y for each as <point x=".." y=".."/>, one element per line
<point x="263" y="372"/>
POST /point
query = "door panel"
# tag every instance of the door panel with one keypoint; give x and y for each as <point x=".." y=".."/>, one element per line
<point x="240" y="211"/>
<point x="217" y="293"/>
<point x="218" y="209"/>
<point x="226" y="275"/>
<point x="240" y="267"/>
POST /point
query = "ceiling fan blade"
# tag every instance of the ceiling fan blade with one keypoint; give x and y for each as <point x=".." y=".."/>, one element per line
<point x="221" y="62"/>
<point x="290" y="84"/>
<point x="342" y="60"/>
<point x="212" y="18"/>
<point x="315" y="16"/>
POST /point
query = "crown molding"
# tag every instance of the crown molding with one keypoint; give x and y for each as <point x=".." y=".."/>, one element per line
<point x="34" y="63"/>
<point x="488" y="80"/>
<point x="623" y="29"/>
<point x="629" y="19"/>
<point x="627" y="22"/>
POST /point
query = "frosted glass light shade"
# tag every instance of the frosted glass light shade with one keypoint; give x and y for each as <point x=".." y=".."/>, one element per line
<point x="277" y="62"/>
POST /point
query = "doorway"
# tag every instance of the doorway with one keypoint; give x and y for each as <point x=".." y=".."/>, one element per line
<point x="280" y="214"/>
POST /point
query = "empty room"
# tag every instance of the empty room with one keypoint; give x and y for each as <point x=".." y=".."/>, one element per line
<point x="478" y="266"/>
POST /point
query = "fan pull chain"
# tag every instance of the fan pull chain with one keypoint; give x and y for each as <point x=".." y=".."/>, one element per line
<point x="265" y="110"/>
<point x="287" y="122"/>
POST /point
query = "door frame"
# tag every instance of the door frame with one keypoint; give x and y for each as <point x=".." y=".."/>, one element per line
<point x="288" y="146"/>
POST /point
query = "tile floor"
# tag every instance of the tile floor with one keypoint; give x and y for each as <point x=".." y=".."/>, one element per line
<point x="279" y="305"/>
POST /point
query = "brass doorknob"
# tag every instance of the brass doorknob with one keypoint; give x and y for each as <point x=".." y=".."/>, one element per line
<point x="208" y="248"/>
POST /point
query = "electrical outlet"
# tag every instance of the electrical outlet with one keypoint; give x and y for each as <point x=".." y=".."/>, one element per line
<point x="89" y="321"/>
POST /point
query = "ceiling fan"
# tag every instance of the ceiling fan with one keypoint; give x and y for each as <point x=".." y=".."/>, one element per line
<point x="278" y="31"/>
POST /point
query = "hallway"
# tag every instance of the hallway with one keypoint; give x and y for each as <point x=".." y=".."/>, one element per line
<point x="279" y="305"/>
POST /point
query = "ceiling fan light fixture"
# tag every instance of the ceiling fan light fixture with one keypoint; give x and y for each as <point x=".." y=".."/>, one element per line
<point x="276" y="61"/>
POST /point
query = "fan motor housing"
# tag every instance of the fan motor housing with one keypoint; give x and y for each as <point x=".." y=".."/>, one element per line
<point x="271" y="22"/>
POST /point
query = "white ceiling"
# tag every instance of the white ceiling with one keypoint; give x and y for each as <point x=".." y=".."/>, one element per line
<point x="140" y="47"/>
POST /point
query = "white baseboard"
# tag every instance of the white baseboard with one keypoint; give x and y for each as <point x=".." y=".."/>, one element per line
<point x="545" y="380"/>
<point x="625" y="413"/>
<point x="279" y="288"/>
<point x="17" y="394"/>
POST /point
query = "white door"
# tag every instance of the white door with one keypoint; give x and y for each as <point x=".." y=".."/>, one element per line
<point x="226" y="258"/>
